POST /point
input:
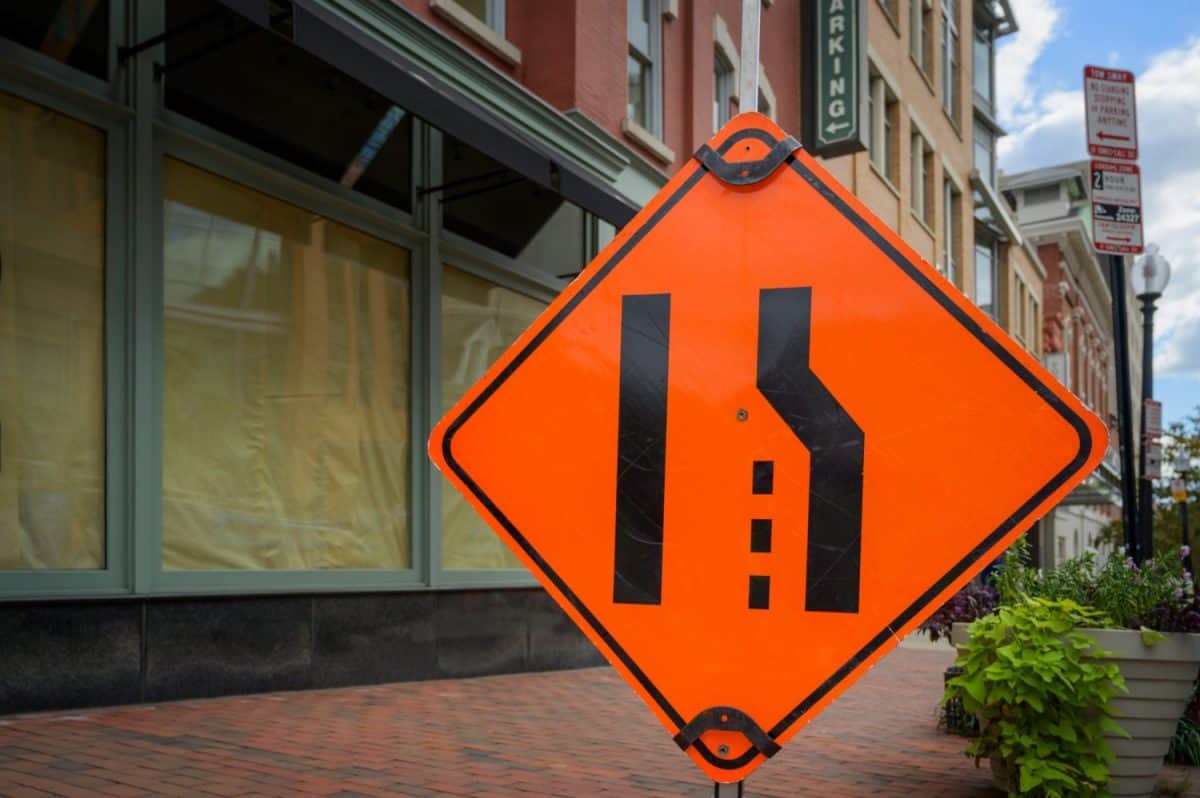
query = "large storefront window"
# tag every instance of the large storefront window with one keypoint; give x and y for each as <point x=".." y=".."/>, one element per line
<point x="479" y="321"/>
<point x="52" y="210"/>
<point x="285" y="385"/>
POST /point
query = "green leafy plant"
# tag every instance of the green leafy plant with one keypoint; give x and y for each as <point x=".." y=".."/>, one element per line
<point x="1185" y="745"/>
<point x="1157" y="595"/>
<point x="1040" y="688"/>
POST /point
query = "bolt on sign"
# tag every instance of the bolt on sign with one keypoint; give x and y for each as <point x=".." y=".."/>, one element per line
<point x="1111" y="113"/>
<point x="1116" y="207"/>
<point x="836" y="35"/>
<point x="756" y="442"/>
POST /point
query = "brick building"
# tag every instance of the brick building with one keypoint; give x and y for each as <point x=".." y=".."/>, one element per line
<point x="254" y="248"/>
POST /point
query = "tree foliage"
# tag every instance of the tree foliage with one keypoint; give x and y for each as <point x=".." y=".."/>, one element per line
<point x="1168" y="528"/>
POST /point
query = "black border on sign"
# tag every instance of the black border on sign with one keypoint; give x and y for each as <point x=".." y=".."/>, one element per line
<point x="926" y="598"/>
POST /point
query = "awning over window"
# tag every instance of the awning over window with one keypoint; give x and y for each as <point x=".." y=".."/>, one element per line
<point x="369" y="61"/>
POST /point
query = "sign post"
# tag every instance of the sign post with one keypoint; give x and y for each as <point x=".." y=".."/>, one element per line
<point x="1111" y="112"/>
<point x="720" y="485"/>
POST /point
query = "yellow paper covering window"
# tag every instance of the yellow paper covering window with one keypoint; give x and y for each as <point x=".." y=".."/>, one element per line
<point x="285" y="385"/>
<point x="51" y="340"/>
<point x="479" y="321"/>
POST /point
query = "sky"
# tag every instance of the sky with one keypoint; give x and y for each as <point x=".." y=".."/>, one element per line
<point x="1039" y="83"/>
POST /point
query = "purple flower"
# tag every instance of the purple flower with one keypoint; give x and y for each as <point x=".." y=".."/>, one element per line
<point x="1184" y="551"/>
<point x="1178" y="592"/>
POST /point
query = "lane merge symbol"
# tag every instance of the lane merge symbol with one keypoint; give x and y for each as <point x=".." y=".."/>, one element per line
<point x="834" y="442"/>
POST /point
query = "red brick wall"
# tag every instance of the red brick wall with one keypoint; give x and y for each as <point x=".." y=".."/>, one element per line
<point x="573" y="56"/>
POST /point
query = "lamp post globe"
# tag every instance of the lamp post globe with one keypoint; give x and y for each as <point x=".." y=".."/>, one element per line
<point x="1150" y="274"/>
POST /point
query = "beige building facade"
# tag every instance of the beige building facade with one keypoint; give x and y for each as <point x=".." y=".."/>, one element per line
<point x="930" y="170"/>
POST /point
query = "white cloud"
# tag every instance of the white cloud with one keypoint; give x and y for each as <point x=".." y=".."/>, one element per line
<point x="1047" y="127"/>
<point x="1040" y="23"/>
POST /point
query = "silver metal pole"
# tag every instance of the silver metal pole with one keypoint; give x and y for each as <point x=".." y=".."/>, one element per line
<point x="748" y="69"/>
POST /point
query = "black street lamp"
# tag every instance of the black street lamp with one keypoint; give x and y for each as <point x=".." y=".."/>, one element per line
<point x="1149" y="279"/>
<point x="1183" y="464"/>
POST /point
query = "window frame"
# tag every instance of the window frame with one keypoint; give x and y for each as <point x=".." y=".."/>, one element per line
<point x="952" y="224"/>
<point x="988" y="100"/>
<point x="982" y="241"/>
<point x="724" y="87"/>
<point x="496" y="16"/>
<point x="921" y="36"/>
<point x="85" y="100"/>
<point x="989" y="177"/>
<point x="883" y="115"/>
<point x="190" y="141"/>
<point x="653" y="60"/>
<point x="951" y="62"/>
<point x="921" y="194"/>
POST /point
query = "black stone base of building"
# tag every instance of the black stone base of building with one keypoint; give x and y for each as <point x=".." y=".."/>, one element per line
<point x="67" y="654"/>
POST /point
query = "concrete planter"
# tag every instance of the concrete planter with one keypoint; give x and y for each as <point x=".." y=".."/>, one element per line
<point x="1159" y="678"/>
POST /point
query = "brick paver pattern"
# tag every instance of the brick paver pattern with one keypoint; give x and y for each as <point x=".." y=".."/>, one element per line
<point x="574" y="733"/>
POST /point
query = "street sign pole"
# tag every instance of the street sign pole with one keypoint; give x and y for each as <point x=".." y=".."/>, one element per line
<point x="1116" y="277"/>
<point x="748" y="69"/>
<point x="747" y="102"/>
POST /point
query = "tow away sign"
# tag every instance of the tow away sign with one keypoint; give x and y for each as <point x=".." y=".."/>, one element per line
<point x="1116" y="207"/>
<point x="1111" y="113"/>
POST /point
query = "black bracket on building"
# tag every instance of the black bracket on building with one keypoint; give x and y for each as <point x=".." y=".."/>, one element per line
<point x="464" y="182"/>
<point x="124" y="53"/>
<point x="220" y="16"/>
<point x="220" y="44"/>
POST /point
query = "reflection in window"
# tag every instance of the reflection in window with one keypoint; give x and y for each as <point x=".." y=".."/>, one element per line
<point x="489" y="204"/>
<point x="51" y="340"/>
<point x="985" y="152"/>
<point x="985" y="274"/>
<point x="982" y="79"/>
<point x="74" y="32"/>
<point x="261" y="89"/>
<point x="479" y="321"/>
<point x="285" y="385"/>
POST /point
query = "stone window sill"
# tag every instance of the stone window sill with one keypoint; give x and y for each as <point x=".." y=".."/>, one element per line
<point x="647" y="141"/>
<point x="473" y="27"/>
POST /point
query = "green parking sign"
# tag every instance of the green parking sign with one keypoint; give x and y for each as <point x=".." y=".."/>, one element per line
<point x="837" y="86"/>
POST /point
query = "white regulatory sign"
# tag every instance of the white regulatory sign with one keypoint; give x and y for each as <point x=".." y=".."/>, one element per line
<point x="1153" y="422"/>
<point x="1116" y="190"/>
<point x="1111" y="113"/>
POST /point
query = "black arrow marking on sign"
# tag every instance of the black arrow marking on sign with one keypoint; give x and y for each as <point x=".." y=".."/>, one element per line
<point x="834" y="442"/>
<point x="641" y="448"/>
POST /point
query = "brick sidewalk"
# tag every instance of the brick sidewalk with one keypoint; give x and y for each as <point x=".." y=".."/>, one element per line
<point x="575" y="733"/>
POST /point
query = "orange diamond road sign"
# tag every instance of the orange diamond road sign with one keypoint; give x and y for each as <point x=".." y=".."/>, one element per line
<point x="756" y="443"/>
